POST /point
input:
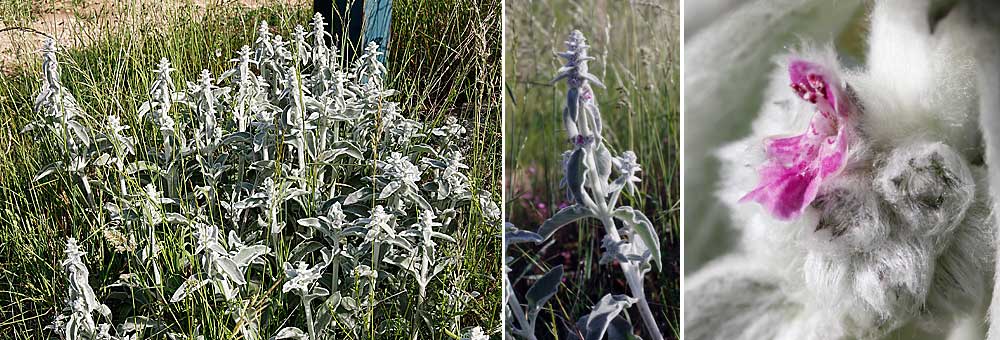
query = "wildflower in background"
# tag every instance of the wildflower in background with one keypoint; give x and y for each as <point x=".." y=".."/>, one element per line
<point x="797" y="166"/>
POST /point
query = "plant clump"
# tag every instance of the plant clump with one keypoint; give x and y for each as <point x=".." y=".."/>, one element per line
<point x="289" y="179"/>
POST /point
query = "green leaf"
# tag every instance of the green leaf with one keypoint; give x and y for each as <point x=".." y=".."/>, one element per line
<point x="565" y="216"/>
<point x="644" y="228"/>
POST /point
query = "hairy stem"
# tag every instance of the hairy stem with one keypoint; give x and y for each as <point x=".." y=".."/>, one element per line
<point x="634" y="282"/>
<point x="309" y="318"/>
<point x="526" y="329"/>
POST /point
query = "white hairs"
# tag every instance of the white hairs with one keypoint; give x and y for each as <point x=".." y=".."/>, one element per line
<point x="902" y="239"/>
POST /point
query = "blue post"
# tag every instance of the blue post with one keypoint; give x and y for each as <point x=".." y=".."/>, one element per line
<point x="378" y="15"/>
<point x="361" y="20"/>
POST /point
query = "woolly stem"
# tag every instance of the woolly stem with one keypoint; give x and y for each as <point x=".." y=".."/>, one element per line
<point x="634" y="282"/>
<point x="335" y="269"/>
<point x="526" y="330"/>
<point x="309" y="318"/>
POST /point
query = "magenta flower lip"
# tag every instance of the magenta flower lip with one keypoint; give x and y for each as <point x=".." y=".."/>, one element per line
<point x="797" y="166"/>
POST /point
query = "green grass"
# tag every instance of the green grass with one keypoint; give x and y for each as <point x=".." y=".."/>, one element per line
<point x="637" y="49"/>
<point x="442" y="62"/>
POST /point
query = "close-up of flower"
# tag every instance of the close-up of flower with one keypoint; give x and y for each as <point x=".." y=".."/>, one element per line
<point x="798" y="165"/>
<point x="850" y="170"/>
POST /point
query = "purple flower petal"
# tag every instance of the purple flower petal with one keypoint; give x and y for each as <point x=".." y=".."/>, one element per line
<point x="798" y="165"/>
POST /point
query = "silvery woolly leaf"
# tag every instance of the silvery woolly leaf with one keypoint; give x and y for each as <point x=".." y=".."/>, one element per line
<point x="102" y="160"/>
<point x="250" y="202"/>
<point x="440" y="267"/>
<point x="188" y="286"/>
<point x="602" y="315"/>
<point x="576" y="172"/>
<point x="246" y="255"/>
<point x="419" y="200"/>
<point x="618" y="329"/>
<point x="237" y="137"/>
<point x="512" y="235"/>
<point x="565" y="216"/>
<point x="291" y="333"/>
<point x="443" y="236"/>
<point x="612" y="251"/>
<point x="389" y="190"/>
<point x="542" y="290"/>
<point x="618" y="184"/>
<point x="418" y="149"/>
<point x="355" y="197"/>
<point x="302" y="249"/>
<point x="137" y="166"/>
<point x="329" y="156"/>
<point x="571" y="109"/>
<point x="45" y="172"/>
<point x="603" y="159"/>
<point x="231" y="270"/>
<point x="400" y="242"/>
<point x="318" y="292"/>
<point x="80" y="131"/>
<point x="310" y="222"/>
<point x="175" y="218"/>
<point x="644" y="228"/>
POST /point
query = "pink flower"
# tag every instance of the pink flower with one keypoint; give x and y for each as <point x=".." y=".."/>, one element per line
<point x="797" y="166"/>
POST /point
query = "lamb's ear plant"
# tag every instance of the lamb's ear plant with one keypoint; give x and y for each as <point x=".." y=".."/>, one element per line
<point x="287" y="160"/>
<point x="302" y="281"/>
<point x="77" y="320"/>
<point x="62" y="120"/>
<point x="595" y="179"/>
